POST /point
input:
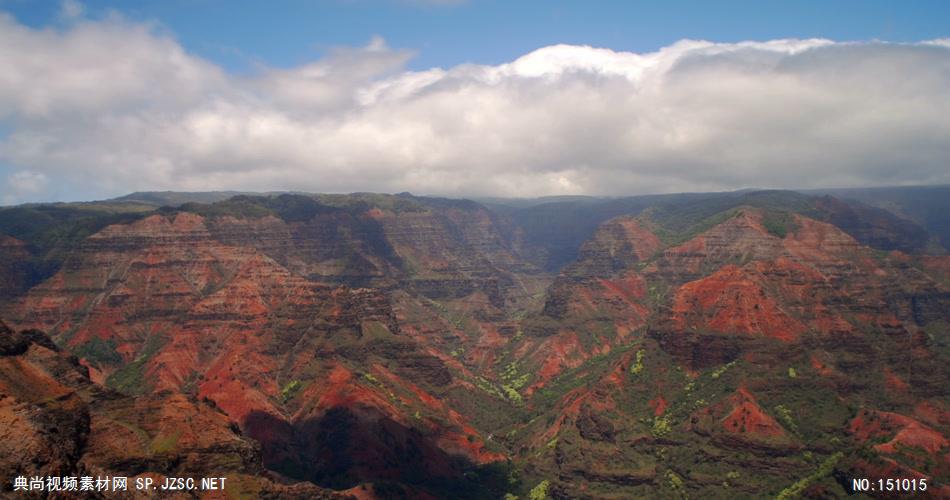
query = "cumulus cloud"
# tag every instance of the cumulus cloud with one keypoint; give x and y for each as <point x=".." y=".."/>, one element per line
<point x="110" y="106"/>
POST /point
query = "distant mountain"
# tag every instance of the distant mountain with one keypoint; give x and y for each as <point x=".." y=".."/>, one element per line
<point x="928" y="206"/>
<point x="556" y="229"/>
<point x="176" y="198"/>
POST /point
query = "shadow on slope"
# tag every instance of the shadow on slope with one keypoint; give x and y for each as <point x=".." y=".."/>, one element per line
<point x="346" y="447"/>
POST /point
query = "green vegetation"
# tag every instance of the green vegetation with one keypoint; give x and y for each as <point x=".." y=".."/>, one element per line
<point x="130" y="379"/>
<point x="785" y="415"/>
<point x="488" y="387"/>
<point x="674" y="481"/>
<point x="661" y="426"/>
<point x="637" y="365"/>
<point x="571" y="379"/>
<point x="239" y="206"/>
<point x="165" y="444"/>
<point x="678" y="225"/>
<point x="540" y="492"/>
<point x="796" y="489"/>
<point x="392" y="203"/>
<point x="99" y="352"/>
<point x="512" y="378"/>
<point x="657" y="292"/>
<point x="678" y="217"/>
<point x="375" y="330"/>
<point x="936" y="331"/>
<point x="289" y="390"/>
<point x="369" y="377"/>
<point x="778" y="223"/>
<point x="722" y="369"/>
<point x="52" y="231"/>
<point x="682" y="454"/>
<point x="289" y="207"/>
<point x="512" y="382"/>
<point x="512" y="395"/>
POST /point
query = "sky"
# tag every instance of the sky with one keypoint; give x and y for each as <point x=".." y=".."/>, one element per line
<point x="470" y="98"/>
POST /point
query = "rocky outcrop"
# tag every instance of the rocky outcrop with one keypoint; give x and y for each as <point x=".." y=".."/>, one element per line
<point x="761" y="330"/>
<point x="815" y="279"/>
<point x="44" y="422"/>
<point x="605" y="272"/>
<point x="732" y="301"/>
<point x="163" y="307"/>
<point x="618" y="245"/>
<point x="440" y="248"/>
<point x="905" y="447"/>
<point x="738" y="421"/>
<point x="333" y="245"/>
<point x="741" y="238"/>
<point x="360" y="340"/>
<point x="56" y="422"/>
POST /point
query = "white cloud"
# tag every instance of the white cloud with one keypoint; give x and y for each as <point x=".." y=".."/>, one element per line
<point x="23" y="185"/>
<point x="70" y="10"/>
<point x="943" y="42"/>
<point x="112" y="106"/>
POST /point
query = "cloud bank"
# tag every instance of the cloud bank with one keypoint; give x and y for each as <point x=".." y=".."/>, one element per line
<point x="96" y="108"/>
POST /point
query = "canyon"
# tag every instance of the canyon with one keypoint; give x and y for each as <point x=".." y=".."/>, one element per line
<point x="756" y="343"/>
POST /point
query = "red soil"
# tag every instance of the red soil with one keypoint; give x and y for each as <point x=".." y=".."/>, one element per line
<point x="902" y="430"/>
<point x="747" y="417"/>
<point x="645" y="243"/>
<point x="731" y="301"/>
<point x="820" y="242"/>
<point x="659" y="405"/>
<point x="893" y="382"/>
<point x="820" y="366"/>
<point x="559" y="352"/>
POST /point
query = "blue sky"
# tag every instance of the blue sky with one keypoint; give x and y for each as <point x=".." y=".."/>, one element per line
<point x="101" y="98"/>
<point x="239" y="34"/>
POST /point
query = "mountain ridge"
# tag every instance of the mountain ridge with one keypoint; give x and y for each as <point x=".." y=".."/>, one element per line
<point x="419" y="346"/>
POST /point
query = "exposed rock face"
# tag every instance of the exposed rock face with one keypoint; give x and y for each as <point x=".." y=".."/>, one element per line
<point x="603" y="281"/>
<point x="161" y="306"/>
<point x="739" y="239"/>
<point x="441" y="248"/>
<point x="815" y="279"/>
<point x="333" y="245"/>
<point x="402" y="342"/>
<point x="45" y="423"/>
<point x="739" y="421"/>
<point x="906" y="447"/>
<point x="618" y="245"/>
<point x="56" y="421"/>
<point x="904" y="433"/>
<point x="731" y="301"/>
<point x="768" y="328"/>
<point x="595" y="303"/>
